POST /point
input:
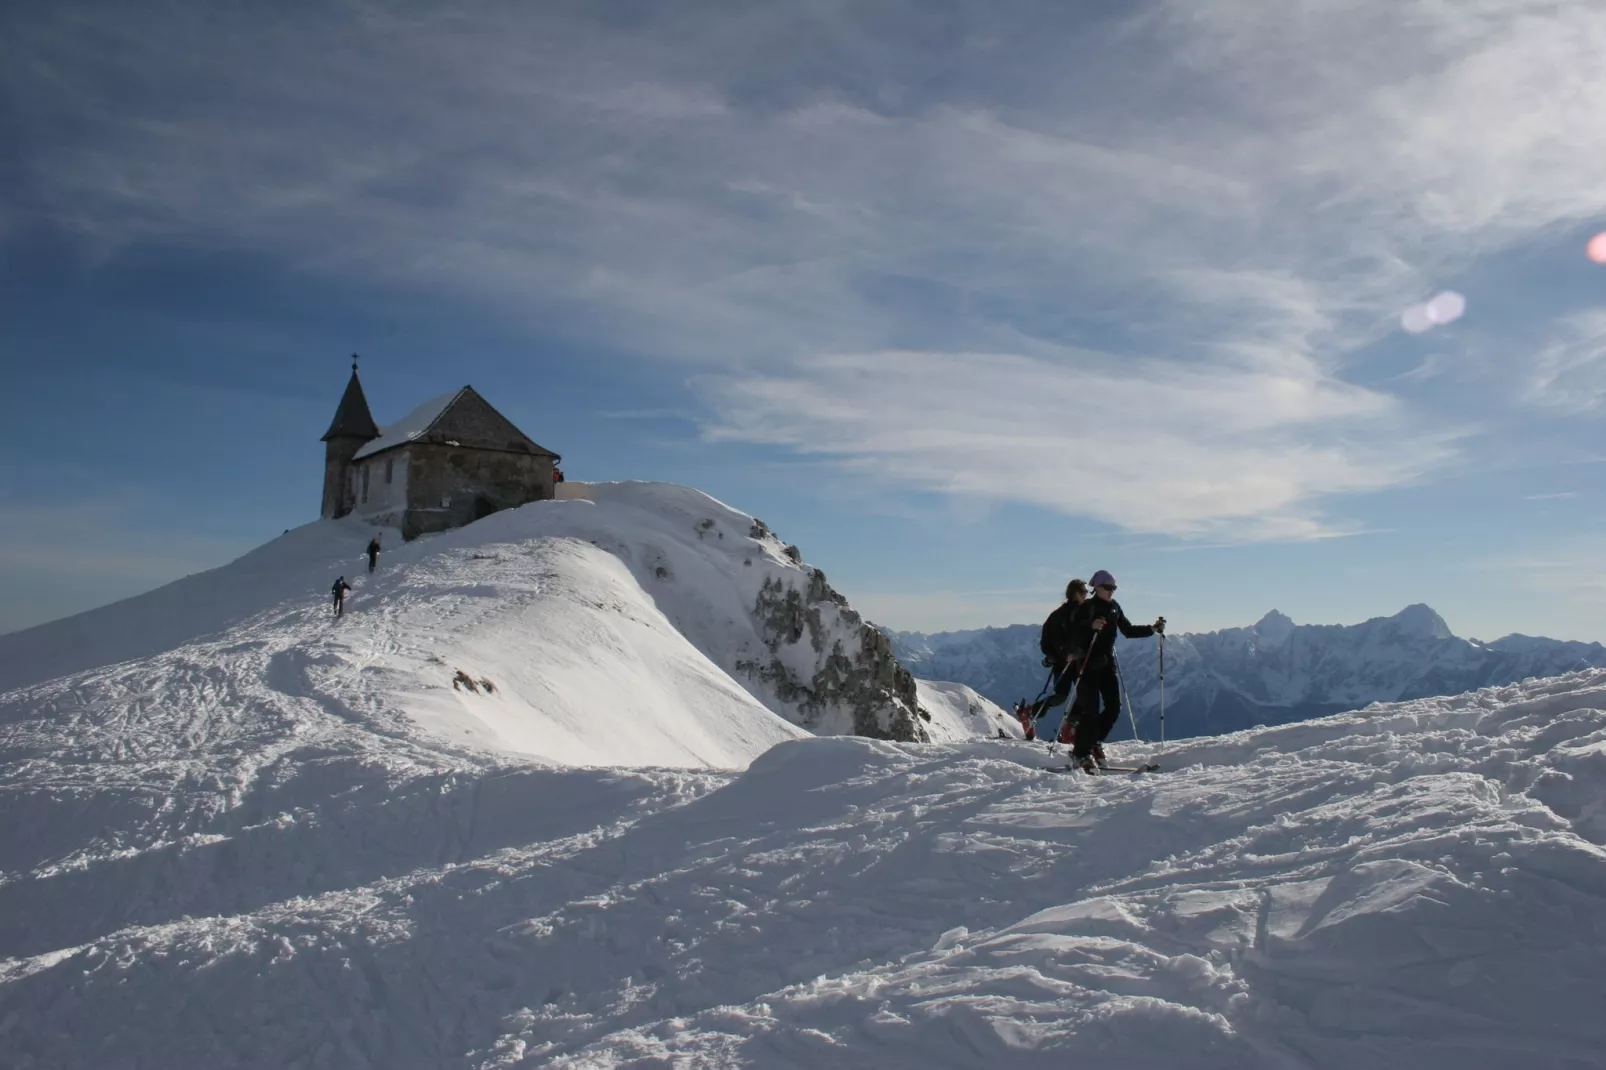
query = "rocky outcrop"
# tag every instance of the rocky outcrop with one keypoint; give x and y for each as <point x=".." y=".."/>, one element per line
<point x="748" y="600"/>
<point x="827" y="663"/>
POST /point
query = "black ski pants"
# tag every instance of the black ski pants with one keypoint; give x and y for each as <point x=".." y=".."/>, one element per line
<point x="373" y="559"/>
<point x="1093" y="724"/>
<point x="340" y="605"/>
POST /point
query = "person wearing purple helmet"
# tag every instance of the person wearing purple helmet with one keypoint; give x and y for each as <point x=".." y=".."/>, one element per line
<point x="1093" y="630"/>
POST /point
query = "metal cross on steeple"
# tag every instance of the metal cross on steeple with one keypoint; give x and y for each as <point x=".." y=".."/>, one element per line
<point x="354" y="362"/>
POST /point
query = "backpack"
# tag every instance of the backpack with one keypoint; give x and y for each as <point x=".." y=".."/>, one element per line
<point x="1055" y="640"/>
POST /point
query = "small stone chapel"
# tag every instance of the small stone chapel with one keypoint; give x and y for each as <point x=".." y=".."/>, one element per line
<point x="449" y="462"/>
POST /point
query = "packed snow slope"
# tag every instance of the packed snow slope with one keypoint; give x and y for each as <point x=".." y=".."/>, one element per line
<point x="1422" y="885"/>
<point x="1273" y="672"/>
<point x="651" y="625"/>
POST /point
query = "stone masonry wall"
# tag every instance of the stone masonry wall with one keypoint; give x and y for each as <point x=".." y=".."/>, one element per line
<point x="337" y="476"/>
<point x="449" y="486"/>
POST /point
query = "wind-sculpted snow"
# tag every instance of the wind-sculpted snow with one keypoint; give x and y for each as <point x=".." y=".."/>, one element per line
<point x="955" y="713"/>
<point x="749" y="603"/>
<point x="1271" y="673"/>
<point x="1421" y="886"/>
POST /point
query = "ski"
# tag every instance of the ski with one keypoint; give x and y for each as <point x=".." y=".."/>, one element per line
<point x="1148" y="767"/>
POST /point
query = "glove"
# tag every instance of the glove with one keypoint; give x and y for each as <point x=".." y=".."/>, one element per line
<point x="1159" y="626"/>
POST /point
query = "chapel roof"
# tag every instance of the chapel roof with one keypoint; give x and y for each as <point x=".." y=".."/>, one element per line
<point x="422" y="424"/>
<point x="352" y="418"/>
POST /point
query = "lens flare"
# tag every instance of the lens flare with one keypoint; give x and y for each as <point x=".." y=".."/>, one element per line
<point x="1445" y="307"/>
<point x="1416" y="319"/>
<point x="1597" y="248"/>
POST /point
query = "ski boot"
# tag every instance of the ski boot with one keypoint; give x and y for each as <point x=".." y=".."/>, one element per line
<point x="1098" y="756"/>
<point x="1025" y="714"/>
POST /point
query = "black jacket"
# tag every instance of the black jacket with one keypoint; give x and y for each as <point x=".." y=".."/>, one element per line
<point x="1082" y="633"/>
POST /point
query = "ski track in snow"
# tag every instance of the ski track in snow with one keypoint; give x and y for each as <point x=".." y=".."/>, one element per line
<point x="1421" y="886"/>
<point x="281" y="842"/>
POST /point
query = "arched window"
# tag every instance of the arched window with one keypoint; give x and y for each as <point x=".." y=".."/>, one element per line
<point x="365" y="470"/>
<point x="388" y="462"/>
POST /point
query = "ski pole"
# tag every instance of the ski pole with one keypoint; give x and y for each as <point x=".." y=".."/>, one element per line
<point x="1162" y="687"/>
<point x="1127" y="699"/>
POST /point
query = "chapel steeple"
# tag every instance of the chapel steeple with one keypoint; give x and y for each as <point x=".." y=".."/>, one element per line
<point x="352" y="426"/>
<point x="352" y="418"/>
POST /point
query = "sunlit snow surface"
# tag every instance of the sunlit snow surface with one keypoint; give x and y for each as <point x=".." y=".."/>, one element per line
<point x="244" y="850"/>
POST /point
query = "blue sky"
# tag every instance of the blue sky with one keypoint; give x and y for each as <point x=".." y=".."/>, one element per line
<point x="963" y="298"/>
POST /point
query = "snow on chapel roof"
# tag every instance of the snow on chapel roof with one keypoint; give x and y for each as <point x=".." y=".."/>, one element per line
<point x="410" y="426"/>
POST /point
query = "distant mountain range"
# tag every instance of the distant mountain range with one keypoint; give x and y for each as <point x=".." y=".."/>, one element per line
<point x="1271" y="673"/>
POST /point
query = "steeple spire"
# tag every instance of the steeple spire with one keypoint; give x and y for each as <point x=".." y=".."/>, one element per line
<point x="352" y="418"/>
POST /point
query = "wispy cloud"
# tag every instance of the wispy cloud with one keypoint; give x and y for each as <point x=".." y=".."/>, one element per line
<point x="955" y="609"/>
<point x="961" y="259"/>
<point x="1147" y="445"/>
<point x="1569" y="570"/>
<point x="645" y="414"/>
<point x="1569" y="374"/>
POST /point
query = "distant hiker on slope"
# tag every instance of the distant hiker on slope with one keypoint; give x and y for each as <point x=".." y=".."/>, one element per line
<point x="1093" y="629"/>
<point x="373" y="552"/>
<point x="1059" y="655"/>
<point x="339" y="591"/>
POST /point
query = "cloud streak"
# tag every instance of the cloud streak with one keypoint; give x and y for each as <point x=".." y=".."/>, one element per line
<point x="1149" y="446"/>
<point x="915" y="242"/>
<point x="1568" y="374"/>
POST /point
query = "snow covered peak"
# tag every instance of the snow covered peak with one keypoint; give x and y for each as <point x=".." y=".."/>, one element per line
<point x="1420" y="621"/>
<point x="1273" y="630"/>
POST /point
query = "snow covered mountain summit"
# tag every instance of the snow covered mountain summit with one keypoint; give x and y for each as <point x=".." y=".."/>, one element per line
<point x="642" y="624"/>
<point x="1273" y="672"/>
